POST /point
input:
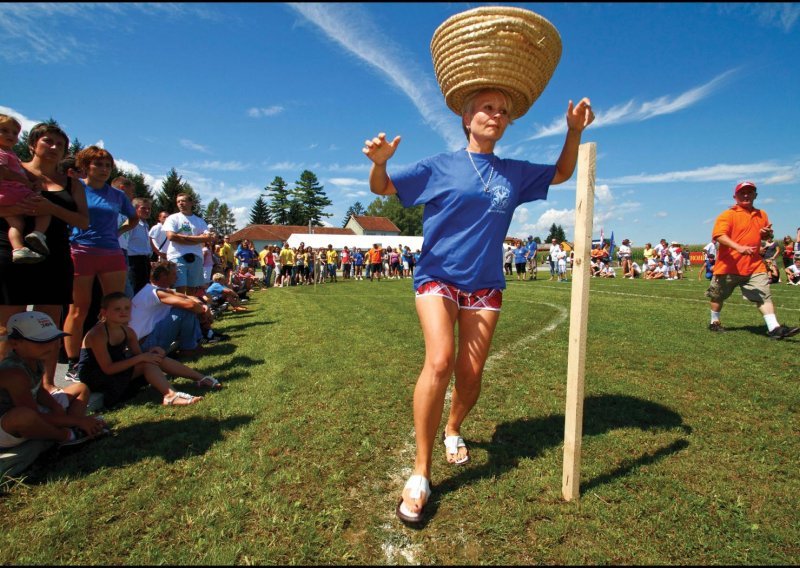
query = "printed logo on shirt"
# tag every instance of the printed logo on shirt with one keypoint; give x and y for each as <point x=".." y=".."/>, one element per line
<point x="500" y="196"/>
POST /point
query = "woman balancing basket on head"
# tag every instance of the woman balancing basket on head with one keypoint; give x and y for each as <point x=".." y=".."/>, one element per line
<point x="492" y="63"/>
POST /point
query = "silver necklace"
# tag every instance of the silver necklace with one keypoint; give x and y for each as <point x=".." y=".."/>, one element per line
<point x="491" y="173"/>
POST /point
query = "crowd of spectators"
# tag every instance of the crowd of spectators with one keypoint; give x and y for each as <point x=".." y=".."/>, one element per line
<point x="64" y="228"/>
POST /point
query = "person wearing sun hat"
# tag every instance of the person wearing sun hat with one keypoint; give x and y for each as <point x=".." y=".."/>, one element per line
<point x="739" y="264"/>
<point x="28" y="411"/>
<point x="491" y="63"/>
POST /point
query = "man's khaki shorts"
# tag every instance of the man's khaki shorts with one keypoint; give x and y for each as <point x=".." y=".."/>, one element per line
<point x="754" y="288"/>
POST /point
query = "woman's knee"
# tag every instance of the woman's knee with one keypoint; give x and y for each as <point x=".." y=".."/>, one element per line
<point x="440" y="364"/>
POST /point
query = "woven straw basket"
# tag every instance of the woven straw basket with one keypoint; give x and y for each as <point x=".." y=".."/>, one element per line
<point x="512" y="49"/>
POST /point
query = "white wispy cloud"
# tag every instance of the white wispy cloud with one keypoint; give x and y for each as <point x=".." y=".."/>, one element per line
<point x="216" y="165"/>
<point x="348" y="182"/>
<point x="25" y="122"/>
<point x="350" y="27"/>
<point x="260" y="112"/>
<point x="760" y="172"/>
<point x="194" y="146"/>
<point x="631" y="111"/>
<point x="783" y="15"/>
<point x="22" y="25"/>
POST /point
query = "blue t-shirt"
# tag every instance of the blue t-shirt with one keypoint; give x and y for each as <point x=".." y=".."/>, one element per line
<point x="105" y="206"/>
<point x="215" y="290"/>
<point x="519" y="255"/>
<point x="358" y="259"/>
<point x="532" y="248"/>
<point x="464" y="225"/>
<point x="245" y="255"/>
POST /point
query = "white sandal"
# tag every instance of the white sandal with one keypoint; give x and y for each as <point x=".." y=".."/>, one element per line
<point x="419" y="486"/>
<point x="182" y="396"/>
<point x="451" y="444"/>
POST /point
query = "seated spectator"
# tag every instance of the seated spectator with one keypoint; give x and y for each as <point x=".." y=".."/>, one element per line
<point x="28" y="411"/>
<point x="221" y="293"/>
<point x="660" y="272"/>
<point x="773" y="273"/>
<point x="160" y="315"/>
<point x="636" y="270"/>
<point x="112" y="362"/>
<point x="793" y="273"/>
<point x="242" y="281"/>
<point x="608" y="272"/>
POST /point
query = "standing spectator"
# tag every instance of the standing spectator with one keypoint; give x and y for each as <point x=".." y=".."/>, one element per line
<point x="46" y="285"/>
<point x="95" y="251"/>
<point x="267" y="259"/>
<point x="186" y="233"/>
<point x="125" y="186"/>
<point x="287" y="265"/>
<point x="533" y="248"/>
<point x="358" y="263"/>
<point x="159" y="237"/>
<point x="555" y="248"/>
<point x="140" y="245"/>
<point x="508" y="261"/>
<point x="245" y="255"/>
<point x="459" y="279"/>
<point x="346" y="263"/>
<point x="332" y="258"/>
<point x="375" y="255"/>
<point x="739" y="231"/>
<point x="625" y="258"/>
<point x="227" y="256"/>
<point x="520" y="259"/>
<point x="788" y="252"/>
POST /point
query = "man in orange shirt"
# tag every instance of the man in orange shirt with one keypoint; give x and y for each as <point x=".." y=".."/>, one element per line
<point x="739" y="232"/>
<point x="375" y="254"/>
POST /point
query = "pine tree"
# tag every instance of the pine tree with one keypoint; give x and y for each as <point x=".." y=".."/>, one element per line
<point x="21" y="148"/>
<point x="310" y="200"/>
<point x="172" y="185"/>
<point x="280" y="204"/>
<point x="259" y="214"/>
<point x="75" y="147"/>
<point x="355" y="209"/>
<point x="211" y="215"/>
<point x="557" y="233"/>
<point x="227" y="221"/>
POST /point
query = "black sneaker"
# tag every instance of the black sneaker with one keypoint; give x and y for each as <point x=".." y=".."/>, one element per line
<point x="716" y="326"/>
<point x="782" y="331"/>
<point x="72" y="373"/>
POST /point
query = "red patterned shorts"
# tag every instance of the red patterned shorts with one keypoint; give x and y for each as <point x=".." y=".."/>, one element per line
<point x="483" y="299"/>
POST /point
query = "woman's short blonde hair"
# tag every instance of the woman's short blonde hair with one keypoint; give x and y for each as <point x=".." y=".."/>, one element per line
<point x="469" y="103"/>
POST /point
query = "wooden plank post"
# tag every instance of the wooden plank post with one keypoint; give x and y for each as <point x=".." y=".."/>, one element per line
<point x="578" y="320"/>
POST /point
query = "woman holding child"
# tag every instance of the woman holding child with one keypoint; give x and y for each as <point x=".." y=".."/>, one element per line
<point x="46" y="285"/>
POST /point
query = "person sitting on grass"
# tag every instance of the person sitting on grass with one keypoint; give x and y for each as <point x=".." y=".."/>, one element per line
<point x="28" y="411"/>
<point x="160" y="315"/>
<point x="221" y="293"/>
<point x="793" y="272"/>
<point x="112" y="362"/>
<point x="242" y="281"/>
<point x="660" y="272"/>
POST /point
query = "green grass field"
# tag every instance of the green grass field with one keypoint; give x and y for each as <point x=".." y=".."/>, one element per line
<point x="690" y="448"/>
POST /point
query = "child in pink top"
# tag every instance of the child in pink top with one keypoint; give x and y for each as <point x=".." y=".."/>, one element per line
<point x="15" y="187"/>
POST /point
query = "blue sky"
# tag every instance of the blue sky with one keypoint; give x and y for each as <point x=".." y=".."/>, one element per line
<point x="690" y="99"/>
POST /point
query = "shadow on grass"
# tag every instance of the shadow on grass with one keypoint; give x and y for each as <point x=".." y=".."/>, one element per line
<point x="225" y="371"/>
<point x="171" y="439"/>
<point x="528" y="438"/>
<point x="247" y="326"/>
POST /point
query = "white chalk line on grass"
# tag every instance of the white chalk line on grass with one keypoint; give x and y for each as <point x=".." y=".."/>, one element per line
<point x="397" y="542"/>
<point x="748" y="305"/>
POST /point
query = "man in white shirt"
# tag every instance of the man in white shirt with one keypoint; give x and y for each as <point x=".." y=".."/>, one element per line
<point x="186" y="233"/>
<point x="793" y="273"/>
<point x="159" y="237"/>
<point x="159" y="315"/>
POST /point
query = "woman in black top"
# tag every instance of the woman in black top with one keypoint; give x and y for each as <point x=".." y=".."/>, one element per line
<point x="48" y="284"/>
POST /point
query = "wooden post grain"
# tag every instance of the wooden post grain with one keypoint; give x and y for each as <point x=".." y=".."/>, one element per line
<point x="578" y="320"/>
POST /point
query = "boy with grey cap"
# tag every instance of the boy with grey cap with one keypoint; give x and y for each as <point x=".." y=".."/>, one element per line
<point x="28" y="411"/>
